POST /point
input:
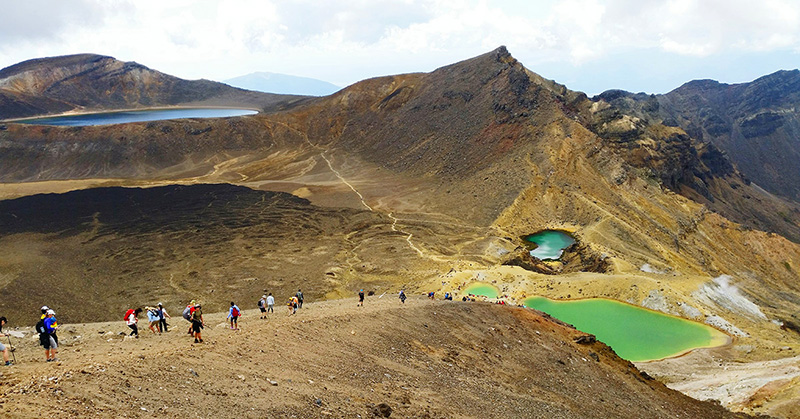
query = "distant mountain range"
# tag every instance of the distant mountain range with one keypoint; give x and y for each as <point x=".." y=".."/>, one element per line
<point x="756" y="124"/>
<point x="283" y="84"/>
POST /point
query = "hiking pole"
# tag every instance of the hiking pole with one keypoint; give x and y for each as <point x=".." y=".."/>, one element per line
<point x="12" y="349"/>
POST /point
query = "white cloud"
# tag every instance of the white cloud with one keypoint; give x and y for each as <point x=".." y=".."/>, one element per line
<point x="343" y="42"/>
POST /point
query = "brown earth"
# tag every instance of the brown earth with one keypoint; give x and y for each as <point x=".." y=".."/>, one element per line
<point x="424" y="359"/>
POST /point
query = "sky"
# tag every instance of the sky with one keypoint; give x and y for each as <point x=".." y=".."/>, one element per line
<point x="588" y="45"/>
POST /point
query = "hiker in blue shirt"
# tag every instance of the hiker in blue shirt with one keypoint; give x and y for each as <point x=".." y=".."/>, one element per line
<point x="162" y="318"/>
<point x="50" y="326"/>
<point x="152" y="318"/>
<point x="234" y="314"/>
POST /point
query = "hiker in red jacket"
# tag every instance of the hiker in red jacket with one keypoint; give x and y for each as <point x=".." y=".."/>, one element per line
<point x="234" y="314"/>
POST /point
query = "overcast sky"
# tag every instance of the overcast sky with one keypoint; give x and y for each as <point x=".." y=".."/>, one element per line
<point x="589" y="45"/>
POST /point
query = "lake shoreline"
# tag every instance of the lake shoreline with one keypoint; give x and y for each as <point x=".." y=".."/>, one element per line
<point x="109" y="111"/>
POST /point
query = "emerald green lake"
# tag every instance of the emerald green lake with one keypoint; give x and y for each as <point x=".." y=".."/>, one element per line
<point x="481" y="288"/>
<point x="550" y="244"/>
<point x="635" y="334"/>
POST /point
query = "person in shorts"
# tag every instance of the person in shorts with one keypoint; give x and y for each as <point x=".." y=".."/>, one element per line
<point x="152" y="319"/>
<point x="47" y="335"/>
<point x="3" y="348"/>
<point x="262" y="305"/>
<point x="197" y="323"/>
<point x="233" y="315"/>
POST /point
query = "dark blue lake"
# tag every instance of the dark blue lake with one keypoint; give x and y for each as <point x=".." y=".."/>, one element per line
<point x="122" y="117"/>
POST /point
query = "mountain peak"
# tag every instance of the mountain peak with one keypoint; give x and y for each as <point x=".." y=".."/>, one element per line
<point x="56" y="61"/>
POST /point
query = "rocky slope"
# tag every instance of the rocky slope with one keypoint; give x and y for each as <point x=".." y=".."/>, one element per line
<point x="755" y="124"/>
<point x="333" y="359"/>
<point x="89" y="82"/>
<point x="635" y="125"/>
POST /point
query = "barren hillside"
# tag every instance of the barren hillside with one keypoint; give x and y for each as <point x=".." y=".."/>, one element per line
<point x="423" y="359"/>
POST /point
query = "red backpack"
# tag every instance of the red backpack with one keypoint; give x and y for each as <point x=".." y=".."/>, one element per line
<point x="128" y="314"/>
<point x="235" y="312"/>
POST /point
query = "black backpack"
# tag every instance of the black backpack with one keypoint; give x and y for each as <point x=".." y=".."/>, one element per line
<point x="40" y="327"/>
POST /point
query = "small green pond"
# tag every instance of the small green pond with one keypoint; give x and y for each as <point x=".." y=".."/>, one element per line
<point x="550" y="244"/>
<point x="481" y="288"/>
<point x="635" y="333"/>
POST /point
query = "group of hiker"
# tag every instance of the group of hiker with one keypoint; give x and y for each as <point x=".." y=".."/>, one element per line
<point x="194" y="315"/>
<point x="157" y="316"/>
<point x="46" y="327"/>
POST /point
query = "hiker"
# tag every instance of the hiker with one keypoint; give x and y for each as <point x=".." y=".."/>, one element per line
<point x="187" y="314"/>
<point x="402" y="296"/>
<point x="299" y="296"/>
<point x="262" y="306"/>
<point x="448" y="296"/>
<point x="270" y="303"/>
<point x="234" y="314"/>
<point x="152" y="318"/>
<point x="360" y="298"/>
<point x="47" y="335"/>
<point x="162" y="318"/>
<point x="3" y="348"/>
<point x="197" y="323"/>
<point x="131" y="318"/>
<point x="430" y="295"/>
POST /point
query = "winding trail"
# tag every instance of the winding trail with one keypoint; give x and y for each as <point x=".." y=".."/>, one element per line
<point x="361" y="197"/>
<point x="339" y="175"/>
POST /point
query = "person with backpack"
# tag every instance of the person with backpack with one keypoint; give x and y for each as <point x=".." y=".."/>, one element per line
<point x="299" y="296"/>
<point x="262" y="306"/>
<point x="234" y="314"/>
<point x="187" y="315"/>
<point x="197" y="323"/>
<point x="152" y="318"/>
<point x="46" y="327"/>
<point x="162" y="318"/>
<point x="402" y="296"/>
<point x="3" y="348"/>
<point x="270" y="303"/>
<point x="361" y="298"/>
<point x="131" y="318"/>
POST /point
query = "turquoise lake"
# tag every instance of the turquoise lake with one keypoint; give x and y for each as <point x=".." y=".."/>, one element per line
<point x="550" y="244"/>
<point x="481" y="288"/>
<point x="635" y="333"/>
<point x="123" y="117"/>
